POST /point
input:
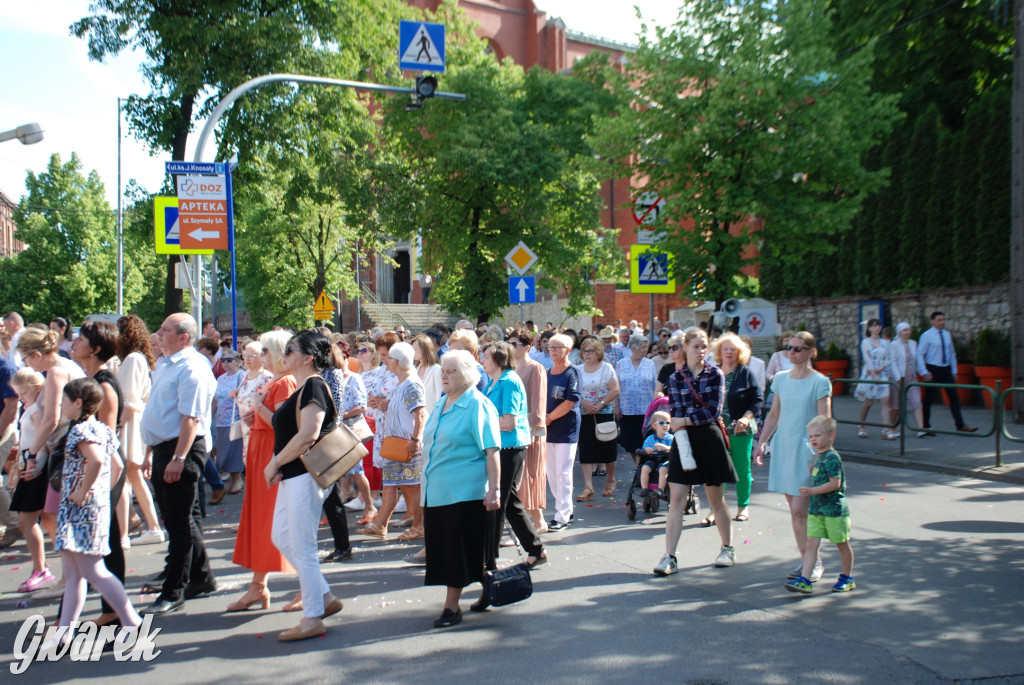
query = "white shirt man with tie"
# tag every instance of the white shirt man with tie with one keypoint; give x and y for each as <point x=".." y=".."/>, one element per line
<point x="936" y="363"/>
<point x="176" y="425"/>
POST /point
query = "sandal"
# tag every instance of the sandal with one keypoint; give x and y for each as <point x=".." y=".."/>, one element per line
<point x="585" y="496"/>
<point x="403" y="523"/>
<point x="742" y="515"/>
<point x="414" y="533"/>
<point x="294" y="605"/>
<point x="367" y="518"/>
<point x="708" y="521"/>
<point x="609" y="489"/>
<point x="374" y="531"/>
<point x="861" y="433"/>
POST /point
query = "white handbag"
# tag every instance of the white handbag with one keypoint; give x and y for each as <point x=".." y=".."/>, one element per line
<point x="685" y="451"/>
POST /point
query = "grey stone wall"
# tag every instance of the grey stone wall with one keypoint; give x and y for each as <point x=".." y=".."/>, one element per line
<point x="834" y="319"/>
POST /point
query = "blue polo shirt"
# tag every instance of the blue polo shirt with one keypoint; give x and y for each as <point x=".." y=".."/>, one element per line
<point x="455" y="441"/>
<point x="508" y="395"/>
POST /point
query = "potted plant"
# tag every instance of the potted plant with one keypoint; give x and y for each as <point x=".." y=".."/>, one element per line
<point x="833" y="361"/>
<point x="964" y="372"/>
<point x="992" y="362"/>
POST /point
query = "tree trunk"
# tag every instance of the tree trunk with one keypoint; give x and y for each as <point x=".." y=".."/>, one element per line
<point x="174" y="298"/>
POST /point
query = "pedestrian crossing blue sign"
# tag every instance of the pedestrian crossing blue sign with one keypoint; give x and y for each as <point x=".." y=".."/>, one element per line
<point x="522" y="289"/>
<point x="421" y="46"/>
<point x="649" y="270"/>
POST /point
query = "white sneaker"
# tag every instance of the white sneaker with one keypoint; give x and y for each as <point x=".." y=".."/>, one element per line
<point x="126" y="543"/>
<point x="667" y="566"/>
<point x="797" y="571"/>
<point x="727" y="557"/>
<point x="356" y="504"/>
<point x="818" y="571"/>
<point x="508" y="541"/>
<point x="150" y="537"/>
<point x="400" y="507"/>
<point x="376" y="503"/>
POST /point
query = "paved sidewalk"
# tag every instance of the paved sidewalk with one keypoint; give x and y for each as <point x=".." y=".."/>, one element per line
<point x="962" y="455"/>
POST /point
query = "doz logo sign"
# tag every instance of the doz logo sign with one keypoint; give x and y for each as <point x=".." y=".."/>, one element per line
<point x="201" y="187"/>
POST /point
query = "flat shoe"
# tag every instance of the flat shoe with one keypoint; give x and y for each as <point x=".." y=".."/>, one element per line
<point x="741" y="517"/>
<point x="481" y="604"/>
<point x="413" y="533"/>
<point x="585" y="496"/>
<point x="709" y="521"/>
<point x="297" y="633"/>
<point x="448" y="618"/>
<point x="332" y="608"/>
<point x="539" y="561"/>
<point x="294" y="605"/>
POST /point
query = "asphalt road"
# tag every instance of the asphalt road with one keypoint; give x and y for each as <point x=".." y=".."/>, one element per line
<point x="940" y="598"/>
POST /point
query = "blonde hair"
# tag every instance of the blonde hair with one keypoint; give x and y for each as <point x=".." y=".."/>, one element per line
<point x="807" y="338"/>
<point x="428" y="355"/>
<point x="694" y="332"/>
<point x="275" y="343"/>
<point x="660" y="416"/>
<point x="27" y="378"/>
<point x="742" y="349"/>
<point x="466" y="338"/>
<point x="826" y="424"/>
<point x="595" y="344"/>
<point x="37" y="340"/>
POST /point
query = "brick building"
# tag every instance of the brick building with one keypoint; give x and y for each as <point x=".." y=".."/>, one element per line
<point x="518" y="29"/>
<point x="9" y="245"/>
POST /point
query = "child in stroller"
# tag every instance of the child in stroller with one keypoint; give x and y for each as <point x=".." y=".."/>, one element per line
<point x="653" y="456"/>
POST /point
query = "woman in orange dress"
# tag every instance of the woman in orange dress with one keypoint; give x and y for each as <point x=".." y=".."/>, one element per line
<point x="253" y="547"/>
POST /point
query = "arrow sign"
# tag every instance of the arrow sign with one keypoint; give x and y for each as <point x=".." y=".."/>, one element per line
<point x="201" y="235"/>
<point x="522" y="289"/>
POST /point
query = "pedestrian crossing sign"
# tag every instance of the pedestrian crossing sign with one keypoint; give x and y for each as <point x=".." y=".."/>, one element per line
<point x="421" y="46"/>
<point x="649" y="270"/>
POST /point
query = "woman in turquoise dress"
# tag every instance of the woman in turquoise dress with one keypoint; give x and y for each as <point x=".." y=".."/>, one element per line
<point x="800" y="394"/>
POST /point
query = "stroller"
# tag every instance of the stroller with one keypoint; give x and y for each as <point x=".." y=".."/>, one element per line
<point x="651" y="502"/>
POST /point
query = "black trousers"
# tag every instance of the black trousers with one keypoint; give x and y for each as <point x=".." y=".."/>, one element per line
<point x="187" y="561"/>
<point x="334" y="510"/>
<point x="512" y="461"/>
<point x="941" y="374"/>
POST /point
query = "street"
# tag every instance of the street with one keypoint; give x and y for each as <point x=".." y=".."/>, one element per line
<point x="939" y="599"/>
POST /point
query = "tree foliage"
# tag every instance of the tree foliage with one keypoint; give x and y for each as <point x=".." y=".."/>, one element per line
<point x="69" y="265"/>
<point x="742" y="110"/>
<point x="509" y="163"/>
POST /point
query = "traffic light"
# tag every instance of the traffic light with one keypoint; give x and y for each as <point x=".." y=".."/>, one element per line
<point x="426" y="86"/>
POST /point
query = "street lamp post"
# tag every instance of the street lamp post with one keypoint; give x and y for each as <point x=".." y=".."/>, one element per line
<point x="29" y="134"/>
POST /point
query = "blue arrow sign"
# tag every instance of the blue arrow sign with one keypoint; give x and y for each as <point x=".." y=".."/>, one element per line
<point x="522" y="289"/>
<point x="420" y="46"/>
<point x="194" y="168"/>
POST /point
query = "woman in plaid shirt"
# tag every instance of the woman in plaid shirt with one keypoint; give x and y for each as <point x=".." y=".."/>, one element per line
<point x="696" y="393"/>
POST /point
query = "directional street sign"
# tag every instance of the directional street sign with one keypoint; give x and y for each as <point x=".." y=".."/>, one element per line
<point x="522" y="289"/>
<point x="521" y="258"/>
<point x="165" y="224"/>
<point x="649" y="271"/>
<point x="203" y="212"/>
<point x="175" y="168"/>
<point x="647" y="208"/>
<point x="420" y="46"/>
<point x="324" y="308"/>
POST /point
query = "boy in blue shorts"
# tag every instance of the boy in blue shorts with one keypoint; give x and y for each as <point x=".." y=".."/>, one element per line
<point x="657" y="446"/>
<point x="828" y="515"/>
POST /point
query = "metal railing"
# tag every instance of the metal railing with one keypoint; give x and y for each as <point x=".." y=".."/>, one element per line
<point x="998" y="427"/>
<point x="393" y="318"/>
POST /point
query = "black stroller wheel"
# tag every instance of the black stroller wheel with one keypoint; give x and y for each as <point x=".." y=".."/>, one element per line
<point x="630" y="510"/>
<point x="647" y="505"/>
<point x="655" y="504"/>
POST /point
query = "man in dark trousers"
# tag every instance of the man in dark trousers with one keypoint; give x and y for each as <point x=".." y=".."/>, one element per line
<point x="936" y="363"/>
<point x="176" y="425"/>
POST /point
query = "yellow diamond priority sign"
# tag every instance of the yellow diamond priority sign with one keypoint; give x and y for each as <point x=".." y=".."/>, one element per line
<point x="521" y="258"/>
<point x="324" y="308"/>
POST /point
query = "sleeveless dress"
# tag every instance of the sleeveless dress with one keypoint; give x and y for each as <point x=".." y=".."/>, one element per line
<point x="85" y="528"/>
<point x="253" y="547"/>
<point x="789" y="468"/>
<point x="876" y="358"/>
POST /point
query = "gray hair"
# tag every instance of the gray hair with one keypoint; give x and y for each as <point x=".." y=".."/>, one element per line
<point x="465" y="366"/>
<point x="188" y="326"/>
<point x="676" y="339"/>
<point x="402" y="353"/>
<point x="636" y="340"/>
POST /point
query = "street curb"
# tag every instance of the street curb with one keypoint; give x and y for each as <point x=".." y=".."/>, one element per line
<point x="946" y="469"/>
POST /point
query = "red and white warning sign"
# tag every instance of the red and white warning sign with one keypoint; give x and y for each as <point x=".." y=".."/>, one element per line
<point x="647" y="208"/>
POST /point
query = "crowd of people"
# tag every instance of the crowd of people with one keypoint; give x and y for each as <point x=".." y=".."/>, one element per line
<point x="465" y="430"/>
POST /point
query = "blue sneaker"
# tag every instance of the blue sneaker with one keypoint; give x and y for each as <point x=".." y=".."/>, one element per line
<point x="801" y="585"/>
<point x="844" y="584"/>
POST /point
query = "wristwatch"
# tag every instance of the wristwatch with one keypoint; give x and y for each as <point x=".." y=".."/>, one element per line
<point x="178" y="458"/>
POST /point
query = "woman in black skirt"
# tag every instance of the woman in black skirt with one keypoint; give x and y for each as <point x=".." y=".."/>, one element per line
<point x="696" y="393"/>
<point x="599" y="388"/>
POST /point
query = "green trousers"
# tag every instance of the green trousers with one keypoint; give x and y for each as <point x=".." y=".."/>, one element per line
<point x="740" y="447"/>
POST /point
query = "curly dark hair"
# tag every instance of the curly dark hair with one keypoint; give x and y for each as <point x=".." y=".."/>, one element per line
<point x="134" y="337"/>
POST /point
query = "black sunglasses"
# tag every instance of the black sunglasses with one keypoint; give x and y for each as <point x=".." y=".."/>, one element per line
<point x="674" y="348"/>
<point x="791" y="348"/>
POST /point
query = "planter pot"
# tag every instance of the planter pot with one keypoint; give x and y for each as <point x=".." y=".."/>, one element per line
<point x="988" y="375"/>
<point x="835" y="369"/>
<point x="964" y="376"/>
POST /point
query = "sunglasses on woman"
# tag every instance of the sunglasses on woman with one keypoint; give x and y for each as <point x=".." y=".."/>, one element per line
<point x="793" y="348"/>
<point x="674" y="348"/>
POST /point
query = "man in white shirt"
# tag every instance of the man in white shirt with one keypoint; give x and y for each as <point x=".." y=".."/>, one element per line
<point x="176" y="424"/>
<point x="936" y="363"/>
<point x="15" y="326"/>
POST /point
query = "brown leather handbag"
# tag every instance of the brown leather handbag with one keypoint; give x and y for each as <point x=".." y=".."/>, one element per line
<point x="334" y="455"/>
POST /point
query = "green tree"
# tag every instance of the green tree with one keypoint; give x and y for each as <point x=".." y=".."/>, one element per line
<point x="916" y="181"/>
<point x="69" y="265"/>
<point x="474" y="178"/>
<point x="992" y="199"/>
<point x="965" y="213"/>
<point x="939" y="211"/>
<point x="196" y="51"/>
<point x="739" y="112"/>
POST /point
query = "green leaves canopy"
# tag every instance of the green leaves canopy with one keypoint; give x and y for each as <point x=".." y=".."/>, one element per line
<point x="740" y="112"/>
